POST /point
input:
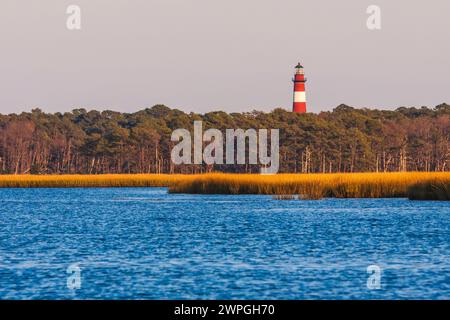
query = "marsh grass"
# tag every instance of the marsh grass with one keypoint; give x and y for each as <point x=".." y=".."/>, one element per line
<point x="310" y="186"/>
<point x="89" y="181"/>
<point x="436" y="189"/>
<point x="415" y="185"/>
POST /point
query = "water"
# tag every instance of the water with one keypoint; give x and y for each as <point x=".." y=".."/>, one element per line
<point x="147" y="244"/>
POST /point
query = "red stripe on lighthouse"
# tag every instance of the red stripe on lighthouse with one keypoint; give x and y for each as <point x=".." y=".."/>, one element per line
<point x="299" y="107"/>
<point x="298" y="86"/>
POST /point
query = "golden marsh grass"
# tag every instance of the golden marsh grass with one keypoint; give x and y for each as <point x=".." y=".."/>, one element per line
<point x="415" y="185"/>
<point x="87" y="181"/>
<point x="310" y="186"/>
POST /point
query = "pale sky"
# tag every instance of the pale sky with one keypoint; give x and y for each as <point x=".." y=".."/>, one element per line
<point x="229" y="55"/>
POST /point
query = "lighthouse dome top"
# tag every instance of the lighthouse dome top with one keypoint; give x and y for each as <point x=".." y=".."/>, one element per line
<point x="299" y="66"/>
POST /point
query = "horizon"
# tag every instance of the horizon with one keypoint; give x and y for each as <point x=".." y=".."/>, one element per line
<point x="214" y="110"/>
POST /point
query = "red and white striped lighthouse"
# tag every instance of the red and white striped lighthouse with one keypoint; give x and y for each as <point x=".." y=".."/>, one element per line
<point x="299" y="90"/>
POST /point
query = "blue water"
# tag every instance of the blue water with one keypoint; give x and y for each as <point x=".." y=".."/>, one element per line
<point x="147" y="244"/>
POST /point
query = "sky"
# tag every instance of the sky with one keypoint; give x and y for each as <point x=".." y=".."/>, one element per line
<point x="227" y="55"/>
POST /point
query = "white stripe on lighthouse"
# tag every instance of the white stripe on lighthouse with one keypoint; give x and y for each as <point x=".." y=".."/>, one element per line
<point x="299" y="96"/>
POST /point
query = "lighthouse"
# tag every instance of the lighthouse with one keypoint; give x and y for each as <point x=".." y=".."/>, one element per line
<point x="299" y="80"/>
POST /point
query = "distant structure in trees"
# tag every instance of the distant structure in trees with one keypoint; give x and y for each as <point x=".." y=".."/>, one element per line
<point x="299" y="105"/>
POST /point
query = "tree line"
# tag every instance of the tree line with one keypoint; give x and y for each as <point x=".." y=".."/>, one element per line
<point x="343" y="140"/>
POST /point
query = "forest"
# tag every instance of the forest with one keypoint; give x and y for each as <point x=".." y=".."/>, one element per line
<point x="345" y="139"/>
